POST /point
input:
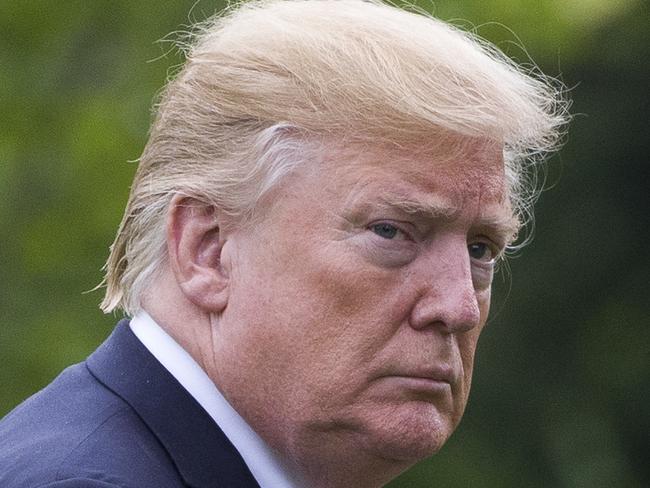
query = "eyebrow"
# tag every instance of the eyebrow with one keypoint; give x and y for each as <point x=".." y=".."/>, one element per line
<point x="435" y="208"/>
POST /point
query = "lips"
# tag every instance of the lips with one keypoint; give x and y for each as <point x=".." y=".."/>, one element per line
<point x="442" y="374"/>
<point x="439" y="373"/>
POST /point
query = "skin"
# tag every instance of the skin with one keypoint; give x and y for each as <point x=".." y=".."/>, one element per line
<point x="351" y="311"/>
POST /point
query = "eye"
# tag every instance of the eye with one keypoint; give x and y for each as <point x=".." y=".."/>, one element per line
<point x="387" y="244"/>
<point x="385" y="230"/>
<point x="482" y="251"/>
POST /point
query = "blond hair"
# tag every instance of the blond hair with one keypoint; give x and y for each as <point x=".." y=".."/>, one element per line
<point x="264" y="79"/>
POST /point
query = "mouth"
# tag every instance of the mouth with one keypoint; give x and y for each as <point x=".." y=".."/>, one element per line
<point x="433" y="380"/>
<point x="442" y="373"/>
<point x="420" y="383"/>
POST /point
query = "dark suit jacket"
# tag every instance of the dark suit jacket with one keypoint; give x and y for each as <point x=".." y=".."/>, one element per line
<point x="119" y="419"/>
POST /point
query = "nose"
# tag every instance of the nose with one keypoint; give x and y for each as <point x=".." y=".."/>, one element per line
<point x="447" y="298"/>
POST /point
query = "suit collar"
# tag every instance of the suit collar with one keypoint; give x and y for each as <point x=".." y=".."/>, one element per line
<point x="202" y="453"/>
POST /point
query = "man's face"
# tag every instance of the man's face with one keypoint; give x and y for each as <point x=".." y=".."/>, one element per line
<point x="356" y="304"/>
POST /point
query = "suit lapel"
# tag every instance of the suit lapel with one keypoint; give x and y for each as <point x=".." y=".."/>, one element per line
<point x="202" y="453"/>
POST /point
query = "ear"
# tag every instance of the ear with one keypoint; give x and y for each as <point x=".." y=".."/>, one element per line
<point x="194" y="245"/>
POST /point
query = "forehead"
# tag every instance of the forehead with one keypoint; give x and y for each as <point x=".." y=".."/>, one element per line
<point x="453" y="172"/>
<point x="460" y="181"/>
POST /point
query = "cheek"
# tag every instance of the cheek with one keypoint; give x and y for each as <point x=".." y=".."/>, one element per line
<point x="343" y="312"/>
<point x="309" y="303"/>
<point x="467" y="344"/>
<point x="360" y="301"/>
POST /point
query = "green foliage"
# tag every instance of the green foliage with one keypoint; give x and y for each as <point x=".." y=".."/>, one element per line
<point x="562" y="383"/>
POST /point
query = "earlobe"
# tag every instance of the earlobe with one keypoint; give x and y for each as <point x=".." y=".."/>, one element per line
<point x="194" y="244"/>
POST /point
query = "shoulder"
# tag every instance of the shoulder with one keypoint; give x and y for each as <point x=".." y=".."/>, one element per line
<point x="75" y="433"/>
<point x="80" y="483"/>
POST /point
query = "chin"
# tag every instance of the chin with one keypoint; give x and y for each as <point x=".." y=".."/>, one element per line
<point x="409" y="433"/>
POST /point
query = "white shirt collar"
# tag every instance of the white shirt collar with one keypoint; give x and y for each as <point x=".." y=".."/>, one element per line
<point x="262" y="462"/>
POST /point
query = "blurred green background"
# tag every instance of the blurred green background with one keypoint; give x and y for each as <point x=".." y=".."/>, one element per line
<point x="562" y="384"/>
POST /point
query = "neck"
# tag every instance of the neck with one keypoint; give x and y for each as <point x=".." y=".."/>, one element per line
<point x="343" y="467"/>
<point x="178" y="317"/>
<point x="332" y="459"/>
